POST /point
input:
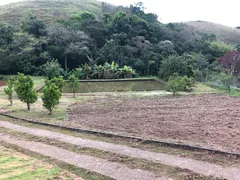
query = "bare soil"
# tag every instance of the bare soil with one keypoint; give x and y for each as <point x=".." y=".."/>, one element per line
<point x="206" y="120"/>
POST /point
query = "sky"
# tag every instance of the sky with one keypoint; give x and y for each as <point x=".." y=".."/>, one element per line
<point x="217" y="11"/>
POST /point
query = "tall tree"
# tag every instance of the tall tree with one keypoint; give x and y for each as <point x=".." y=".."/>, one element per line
<point x="70" y="42"/>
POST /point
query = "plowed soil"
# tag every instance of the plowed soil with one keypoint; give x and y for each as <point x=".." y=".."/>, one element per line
<point x="206" y="120"/>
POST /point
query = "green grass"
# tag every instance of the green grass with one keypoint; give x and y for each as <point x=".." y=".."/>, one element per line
<point x="16" y="166"/>
<point x="223" y="90"/>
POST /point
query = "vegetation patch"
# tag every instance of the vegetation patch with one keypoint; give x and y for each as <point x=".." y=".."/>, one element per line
<point x="14" y="165"/>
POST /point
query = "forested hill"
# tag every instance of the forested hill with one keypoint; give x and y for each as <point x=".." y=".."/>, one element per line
<point x="97" y="40"/>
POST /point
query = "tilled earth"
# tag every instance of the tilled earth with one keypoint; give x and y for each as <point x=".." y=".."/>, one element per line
<point x="207" y="120"/>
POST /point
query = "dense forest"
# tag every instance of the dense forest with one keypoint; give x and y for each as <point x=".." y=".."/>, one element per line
<point x="130" y="42"/>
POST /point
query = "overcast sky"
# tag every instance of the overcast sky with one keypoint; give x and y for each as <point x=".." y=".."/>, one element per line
<point x="224" y="12"/>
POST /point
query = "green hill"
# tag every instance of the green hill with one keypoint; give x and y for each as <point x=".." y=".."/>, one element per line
<point x="51" y="10"/>
<point x="224" y="33"/>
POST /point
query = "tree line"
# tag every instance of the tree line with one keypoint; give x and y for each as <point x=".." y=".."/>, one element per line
<point x="130" y="42"/>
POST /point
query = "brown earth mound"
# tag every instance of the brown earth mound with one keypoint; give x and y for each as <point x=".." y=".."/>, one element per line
<point x="208" y="120"/>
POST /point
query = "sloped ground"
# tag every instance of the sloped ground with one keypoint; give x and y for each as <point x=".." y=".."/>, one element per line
<point x="207" y="120"/>
<point x="224" y="33"/>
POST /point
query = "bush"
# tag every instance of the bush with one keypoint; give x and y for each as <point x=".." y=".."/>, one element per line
<point x="177" y="83"/>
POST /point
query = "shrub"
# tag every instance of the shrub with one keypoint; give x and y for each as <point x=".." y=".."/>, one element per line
<point x="25" y="91"/>
<point x="177" y="83"/>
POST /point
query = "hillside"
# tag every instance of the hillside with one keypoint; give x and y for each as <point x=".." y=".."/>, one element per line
<point x="225" y="33"/>
<point x="51" y="10"/>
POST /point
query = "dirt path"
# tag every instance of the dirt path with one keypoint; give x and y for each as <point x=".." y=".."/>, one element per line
<point x="101" y="166"/>
<point x="204" y="168"/>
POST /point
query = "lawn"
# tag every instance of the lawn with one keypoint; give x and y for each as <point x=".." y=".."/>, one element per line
<point x="16" y="166"/>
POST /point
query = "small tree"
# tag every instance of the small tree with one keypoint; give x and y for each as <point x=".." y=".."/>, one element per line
<point x="9" y="89"/>
<point x="25" y="91"/>
<point x="231" y="62"/>
<point x="52" y="69"/>
<point x="73" y="84"/>
<point x="51" y="97"/>
<point x="58" y="81"/>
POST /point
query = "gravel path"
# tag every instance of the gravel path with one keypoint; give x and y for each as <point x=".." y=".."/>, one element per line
<point x="101" y="166"/>
<point x="204" y="168"/>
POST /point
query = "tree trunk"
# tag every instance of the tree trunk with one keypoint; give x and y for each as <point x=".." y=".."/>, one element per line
<point x="66" y="67"/>
<point x="28" y="106"/>
<point x="148" y="69"/>
<point x="11" y="100"/>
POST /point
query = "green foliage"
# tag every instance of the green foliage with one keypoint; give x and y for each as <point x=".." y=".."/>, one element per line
<point x="226" y="80"/>
<point x="58" y="81"/>
<point x="178" y="83"/>
<point x="175" y="64"/>
<point x="51" y="96"/>
<point x="97" y="33"/>
<point x="73" y="84"/>
<point x="34" y="26"/>
<point x="25" y="90"/>
<point x="52" y="69"/>
<point x="127" y="71"/>
<point x="79" y="73"/>
<point x="220" y="48"/>
<point x="9" y="89"/>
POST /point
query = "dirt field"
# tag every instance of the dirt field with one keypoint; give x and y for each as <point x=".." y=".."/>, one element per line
<point x="209" y="120"/>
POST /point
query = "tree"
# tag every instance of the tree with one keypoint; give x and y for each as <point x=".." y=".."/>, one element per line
<point x="52" y="69"/>
<point x="25" y="90"/>
<point x="58" y="81"/>
<point x="51" y="96"/>
<point x="175" y="64"/>
<point x="231" y="62"/>
<point x="73" y="84"/>
<point x="34" y="26"/>
<point x="69" y="42"/>
<point x="220" y="48"/>
<point x="9" y="89"/>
